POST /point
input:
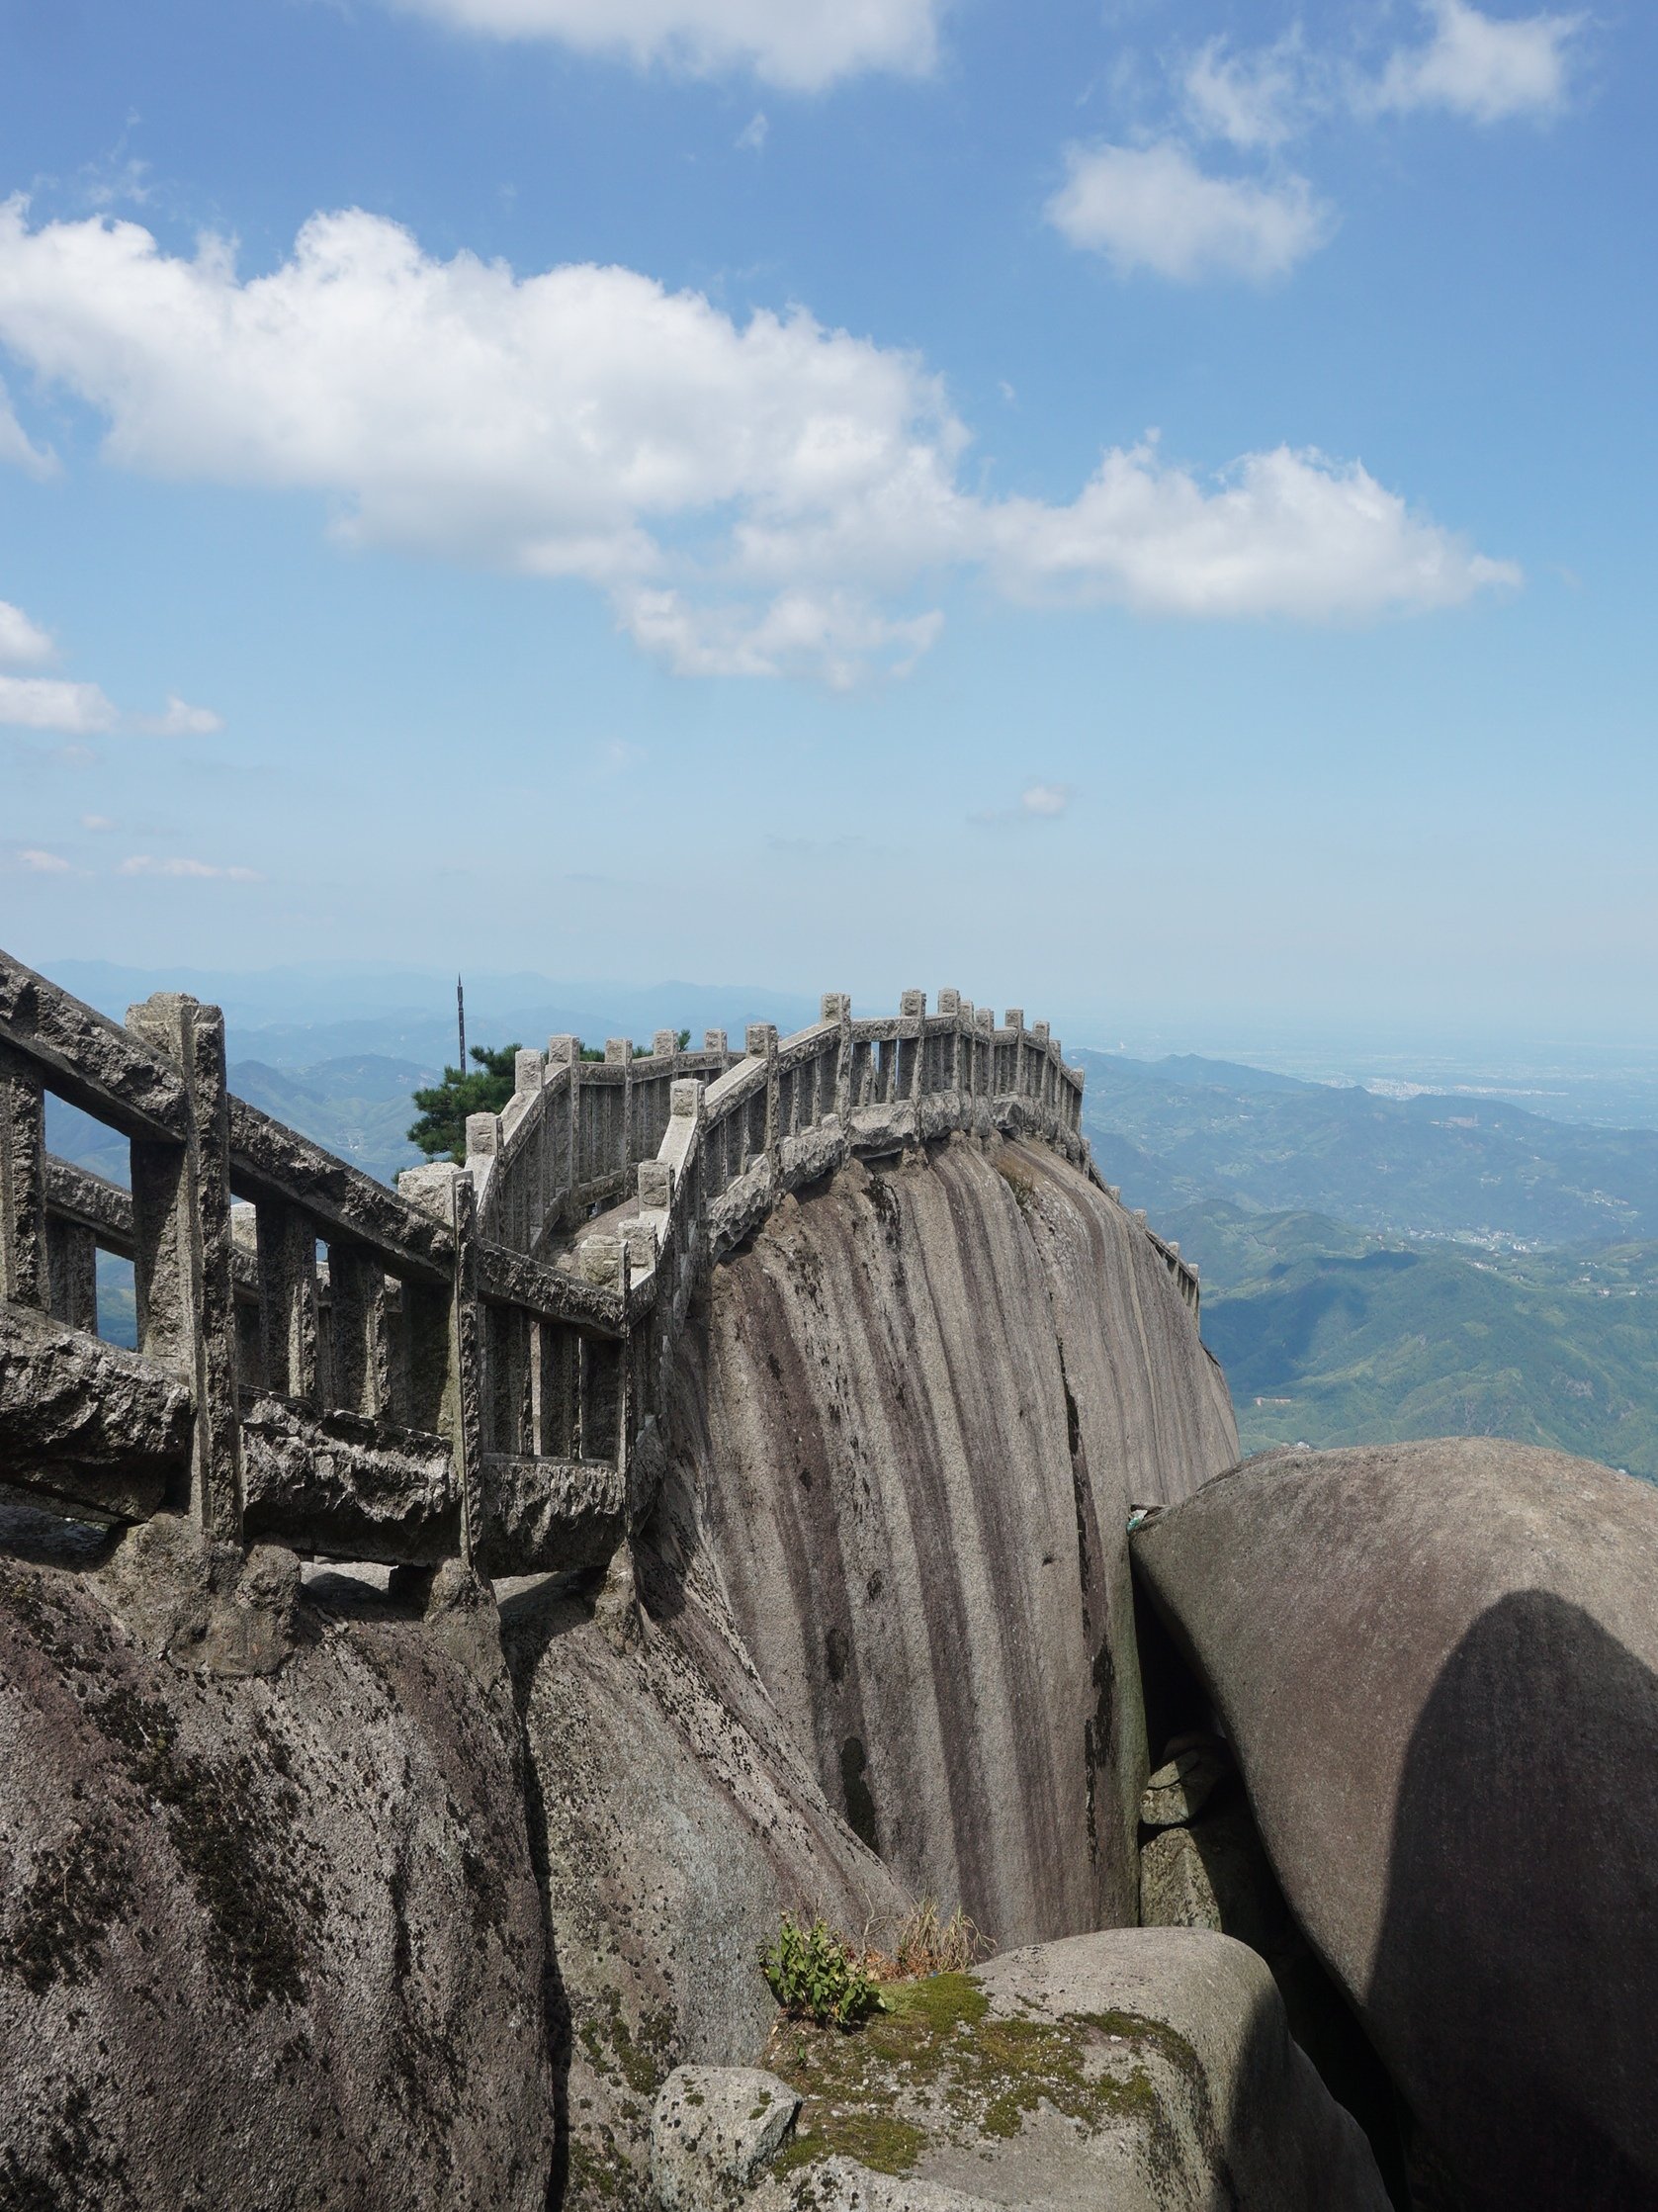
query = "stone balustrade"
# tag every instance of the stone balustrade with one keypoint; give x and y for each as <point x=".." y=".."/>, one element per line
<point x="474" y="1365"/>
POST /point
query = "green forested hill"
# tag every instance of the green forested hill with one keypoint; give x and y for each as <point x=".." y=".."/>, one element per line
<point x="1328" y="1335"/>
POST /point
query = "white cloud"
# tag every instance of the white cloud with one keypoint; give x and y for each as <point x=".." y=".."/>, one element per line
<point x="144" y="863"/>
<point x="1280" y="533"/>
<point x="801" y="44"/>
<point x="34" y="861"/>
<point x="1046" y="801"/>
<point x="97" y="822"/>
<point x="181" y="720"/>
<point x="764" y="498"/>
<point x="73" y="710"/>
<point x="16" y="451"/>
<point x="1486" y="68"/>
<point x="1153" y="208"/>
<point x="22" y="644"/>
<point x="752" y="137"/>
<point x="1254" y="101"/>
<point x="835" y="637"/>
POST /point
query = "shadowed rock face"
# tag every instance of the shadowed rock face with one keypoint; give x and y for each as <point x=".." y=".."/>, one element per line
<point x="1438" y="1664"/>
<point x="675" y="1820"/>
<point x="265" y="1941"/>
<point x="914" y="1417"/>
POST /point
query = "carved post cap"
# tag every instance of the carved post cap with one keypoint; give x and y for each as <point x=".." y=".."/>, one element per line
<point x="949" y="1001"/>
<point x="563" y="1052"/>
<point x="759" y="1038"/>
<point x="983" y="1017"/>
<point x="835" y="1006"/>
<point x="1013" y="1019"/>
<point x="431" y="1187"/>
<point x="1114" y="1191"/>
<point x="526" y="1069"/>
<point x="655" y="1182"/>
<point x="618" y="1048"/>
<point x="483" y="1135"/>
<point x="598" y="1261"/>
<point x="912" y="1002"/>
<point x="1039" y="1030"/>
<point x="713" y="1041"/>
<point x="639" y="1243"/>
<point x="665" y="1043"/>
<point x="1174" y="1251"/>
<point x="685" y="1096"/>
<point x="967" y="1011"/>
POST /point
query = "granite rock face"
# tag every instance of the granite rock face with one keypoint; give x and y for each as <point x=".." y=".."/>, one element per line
<point x="675" y="1820"/>
<point x="1148" y="2070"/>
<point x="914" y="1416"/>
<point x="270" y="1936"/>
<point x="1438" y="1666"/>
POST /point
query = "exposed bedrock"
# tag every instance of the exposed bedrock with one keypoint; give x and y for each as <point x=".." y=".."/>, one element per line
<point x="1144" y="2070"/>
<point x="674" y="1819"/>
<point x="1438" y="1666"/>
<point x="912" y="1416"/>
<point x="269" y="1932"/>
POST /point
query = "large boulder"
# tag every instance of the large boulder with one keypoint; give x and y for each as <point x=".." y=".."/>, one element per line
<point x="269" y="1933"/>
<point x="1438" y="1666"/>
<point x="915" y="1412"/>
<point x="1149" y="2070"/>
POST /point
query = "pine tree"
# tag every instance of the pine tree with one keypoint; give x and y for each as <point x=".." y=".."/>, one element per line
<point x="441" y="1131"/>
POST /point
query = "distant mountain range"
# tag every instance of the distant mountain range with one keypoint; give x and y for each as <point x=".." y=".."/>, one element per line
<point x="1379" y="1268"/>
<point x="1372" y="1267"/>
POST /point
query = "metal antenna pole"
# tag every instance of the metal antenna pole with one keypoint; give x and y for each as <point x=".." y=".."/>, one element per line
<point x="460" y="1021"/>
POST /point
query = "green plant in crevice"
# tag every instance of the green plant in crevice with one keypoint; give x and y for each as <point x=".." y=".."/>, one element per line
<point x="817" y="1975"/>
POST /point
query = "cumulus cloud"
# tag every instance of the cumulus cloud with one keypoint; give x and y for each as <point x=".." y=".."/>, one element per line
<point x="1253" y="100"/>
<point x="181" y="720"/>
<point x="1486" y="68"/>
<point x="145" y="863"/>
<point x="73" y="710"/>
<point x="764" y="498"/>
<point x="76" y="710"/>
<point x="22" y="644"/>
<point x="800" y="45"/>
<point x="1153" y="208"/>
<point x="31" y="859"/>
<point x="1037" y="801"/>
<point x="1046" y="801"/>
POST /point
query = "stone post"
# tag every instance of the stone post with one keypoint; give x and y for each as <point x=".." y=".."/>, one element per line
<point x="759" y="1040"/>
<point x="446" y="1340"/>
<point x="949" y="1002"/>
<point x="664" y="1044"/>
<point x="287" y="1247"/>
<point x="984" y="1049"/>
<point x="72" y="1265"/>
<point x="912" y="1006"/>
<point x="24" y="1272"/>
<point x="361" y="1364"/>
<point x="565" y="1052"/>
<point x="181" y="1224"/>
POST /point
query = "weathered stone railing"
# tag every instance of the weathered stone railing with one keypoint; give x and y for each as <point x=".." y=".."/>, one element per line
<point x="474" y="1365"/>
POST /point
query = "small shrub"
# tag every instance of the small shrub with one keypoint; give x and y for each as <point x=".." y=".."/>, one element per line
<point x="818" y="1976"/>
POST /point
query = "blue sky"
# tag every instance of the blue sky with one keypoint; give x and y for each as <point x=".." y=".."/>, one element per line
<point x="1143" y="510"/>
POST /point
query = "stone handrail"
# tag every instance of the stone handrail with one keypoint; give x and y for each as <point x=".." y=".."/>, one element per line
<point x="478" y="1366"/>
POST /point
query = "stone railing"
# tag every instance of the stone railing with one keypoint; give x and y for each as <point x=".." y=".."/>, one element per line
<point x="474" y="1365"/>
